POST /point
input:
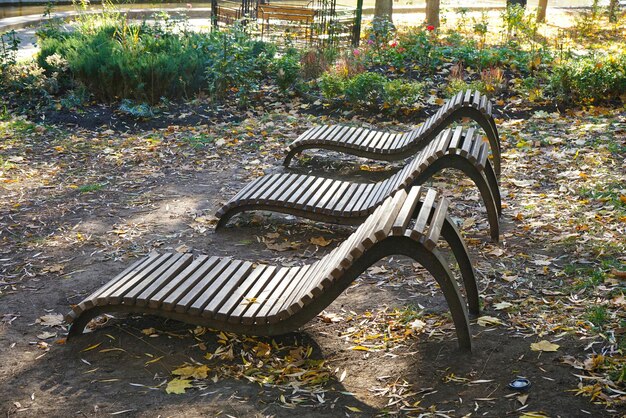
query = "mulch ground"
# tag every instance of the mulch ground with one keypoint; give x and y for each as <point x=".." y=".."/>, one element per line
<point x="81" y="198"/>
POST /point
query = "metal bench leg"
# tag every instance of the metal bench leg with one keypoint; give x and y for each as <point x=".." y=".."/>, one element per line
<point x="451" y="234"/>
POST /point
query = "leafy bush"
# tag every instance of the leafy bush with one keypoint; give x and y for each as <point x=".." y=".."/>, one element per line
<point x="365" y="89"/>
<point x="286" y="70"/>
<point x="332" y="85"/>
<point x="588" y="79"/>
<point x="372" y="90"/>
<point x="145" y="62"/>
<point x="9" y="44"/>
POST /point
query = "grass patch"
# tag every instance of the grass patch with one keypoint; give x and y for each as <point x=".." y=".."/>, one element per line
<point x="88" y="188"/>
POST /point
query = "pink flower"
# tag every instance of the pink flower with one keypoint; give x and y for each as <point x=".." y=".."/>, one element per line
<point x="393" y="43"/>
<point x="356" y="52"/>
<point x="430" y="28"/>
<point x="189" y="5"/>
<point x="370" y="42"/>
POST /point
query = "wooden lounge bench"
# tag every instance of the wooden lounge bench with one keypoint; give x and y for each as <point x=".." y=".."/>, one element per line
<point x="260" y="299"/>
<point x="379" y="145"/>
<point x="346" y="202"/>
<point x="300" y="17"/>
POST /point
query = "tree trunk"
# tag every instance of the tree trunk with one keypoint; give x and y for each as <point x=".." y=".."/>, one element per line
<point x="613" y="10"/>
<point x="384" y="8"/>
<point x="541" y="11"/>
<point x="432" y="13"/>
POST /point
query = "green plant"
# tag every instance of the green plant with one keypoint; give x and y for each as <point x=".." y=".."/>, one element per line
<point x="140" y="110"/>
<point x="598" y="316"/>
<point x="365" y="89"/>
<point x="456" y="85"/>
<point x="286" y="70"/>
<point x="87" y="188"/>
<point x="9" y="45"/>
<point x="589" y="79"/>
<point x="332" y="85"/>
<point x="400" y="94"/>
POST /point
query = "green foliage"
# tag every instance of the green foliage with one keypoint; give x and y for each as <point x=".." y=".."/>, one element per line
<point x="365" y="89"/>
<point x="456" y="85"/>
<point x="9" y="44"/>
<point x="332" y="85"/>
<point x="372" y="90"/>
<point x="598" y="316"/>
<point x="400" y="94"/>
<point x="145" y="62"/>
<point x="236" y="63"/>
<point x="87" y="188"/>
<point x="286" y="70"/>
<point x="587" y="79"/>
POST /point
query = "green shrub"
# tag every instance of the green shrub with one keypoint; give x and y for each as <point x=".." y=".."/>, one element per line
<point x="286" y="70"/>
<point x="589" y="79"/>
<point x="365" y="89"/>
<point x="401" y="94"/>
<point x="9" y="44"/>
<point x="332" y="86"/>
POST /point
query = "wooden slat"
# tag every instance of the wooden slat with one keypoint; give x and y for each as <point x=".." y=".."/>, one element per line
<point x="358" y="200"/>
<point x="292" y="179"/>
<point x="169" y="303"/>
<point x="155" y="300"/>
<point x="356" y="135"/>
<point x="365" y="138"/>
<point x="434" y="230"/>
<point x="283" y="195"/>
<point x="442" y="145"/>
<point x="354" y="190"/>
<point x="256" y="185"/>
<point x="310" y="191"/>
<point x="384" y="222"/>
<point x="238" y="293"/>
<point x="456" y="140"/>
<point x="422" y="217"/>
<point x="144" y="293"/>
<point x="403" y="219"/>
<point x="283" y="180"/>
<point x="114" y="295"/>
<point x="249" y="298"/>
<point x="131" y="271"/>
<point x="254" y="195"/>
<point x="299" y="192"/>
<point x="467" y="143"/>
<point x="209" y="301"/>
<point x="279" y="312"/>
<point x="204" y="282"/>
<point x="278" y="296"/>
<point x="371" y="140"/>
<point x="467" y="98"/>
<point x="318" y="194"/>
<point x="309" y="133"/>
<point x="249" y="316"/>
<point x="319" y="204"/>
<point x="377" y="143"/>
<point x="337" y="196"/>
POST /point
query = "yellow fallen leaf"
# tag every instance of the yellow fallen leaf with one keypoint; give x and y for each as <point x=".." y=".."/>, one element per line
<point x="533" y="415"/>
<point x="91" y="347"/>
<point x="154" y="360"/>
<point x="359" y="348"/>
<point x="485" y="321"/>
<point x="544" y="345"/>
<point x="321" y="241"/>
<point x="197" y="372"/>
<point x="177" y="386"/>
<point x="353" y="409"/>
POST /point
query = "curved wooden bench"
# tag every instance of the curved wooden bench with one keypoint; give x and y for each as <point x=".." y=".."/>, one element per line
<point x="378" y="145"/>
<point x="346" y="202"/>
<point x="260" y="299"/>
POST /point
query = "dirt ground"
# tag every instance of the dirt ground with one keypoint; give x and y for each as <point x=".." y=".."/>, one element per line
<point x="79" y="205"/>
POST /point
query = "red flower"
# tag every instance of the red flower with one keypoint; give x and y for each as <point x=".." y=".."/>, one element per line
<point x="430" y="28"/>
<point x="393" y="43"/>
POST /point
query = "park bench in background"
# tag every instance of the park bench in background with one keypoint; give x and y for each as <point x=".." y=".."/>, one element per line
<point x="379" y="145"/>
<point x="339" y="201"/>
<point x="260" y="299"/>
<point x="288" y="19"/>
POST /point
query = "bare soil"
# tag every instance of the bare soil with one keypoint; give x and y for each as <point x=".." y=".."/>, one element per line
<point x="61" y="240"/>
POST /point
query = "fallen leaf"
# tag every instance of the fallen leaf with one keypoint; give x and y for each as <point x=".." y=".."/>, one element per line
<point x="485" y="321"/>
<point x="178" y="386"/>
<point x="50" y="320"/>
<point x="418" y="325"/>
<point x="353" y="409"/>
<point x="502" y="305"/>
<point x="45" y="335"/>
<point x="196" y="372"/>
<point x="544" y="345"/>
<point x="321" y="241"/>
<point x="522" y="399"/>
